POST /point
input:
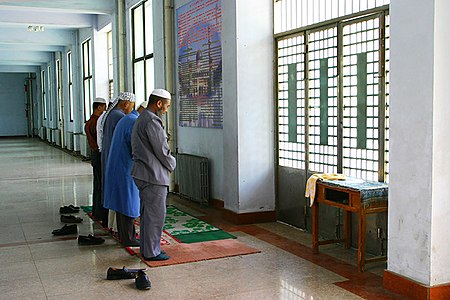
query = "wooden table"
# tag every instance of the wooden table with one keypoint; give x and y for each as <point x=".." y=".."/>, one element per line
<point x="353" y="196"/>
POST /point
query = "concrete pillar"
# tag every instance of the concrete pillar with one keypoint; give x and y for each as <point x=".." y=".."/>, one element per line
<point x="248" y="128"/>
<point x="419" y="209"/>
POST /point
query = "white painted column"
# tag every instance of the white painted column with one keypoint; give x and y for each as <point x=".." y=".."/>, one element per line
<point x="419" y="206"/>
<point x="248" y="132"/>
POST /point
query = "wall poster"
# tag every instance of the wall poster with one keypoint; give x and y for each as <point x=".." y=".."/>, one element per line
<point x="199" y="46"/>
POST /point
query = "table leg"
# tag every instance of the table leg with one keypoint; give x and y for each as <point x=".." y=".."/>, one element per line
<point x="362" y="241"/>
<point x="348" y="228"/>
<point x="315" y="227"/>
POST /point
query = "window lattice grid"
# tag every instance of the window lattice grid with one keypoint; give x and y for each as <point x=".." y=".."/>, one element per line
<point x="291" y="102"/>
<point x="293" y="14"/>
<point x="387" y="68"/>
<point x="323" y="100"/>
<point x="361" y="99"/>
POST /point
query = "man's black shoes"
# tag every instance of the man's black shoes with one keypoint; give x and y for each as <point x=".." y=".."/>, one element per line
<point x="90" y="240"/>
<point x="71" y="219"/>
<point x="69" y="209"/>
<point x="142" y="282"/>
<point x="124" y="273"/>
<point x="66" y="229"/>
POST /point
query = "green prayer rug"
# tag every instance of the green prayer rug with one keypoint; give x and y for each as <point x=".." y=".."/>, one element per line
<point x="183" y="227"/>
<point x="189" y="229"/>
<point x="87" y="209"/>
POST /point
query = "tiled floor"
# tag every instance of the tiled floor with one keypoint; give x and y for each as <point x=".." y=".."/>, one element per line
<point x="36" y="179"/>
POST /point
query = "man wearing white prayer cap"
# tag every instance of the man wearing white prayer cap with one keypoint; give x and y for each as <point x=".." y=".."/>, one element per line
<point x="152" y="165"/>
<point x="121" y="193"/>
<point x="121" y="106"/>
<point x="98" y="108"/>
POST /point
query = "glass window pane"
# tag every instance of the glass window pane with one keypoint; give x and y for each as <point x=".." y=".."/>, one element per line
<point x="89" y="57"/>
<point x="71" y="101"/>
<point x="85" y="60"/>
<point x="150" y="76"/>
<point x="138" y="32"/>
<point x="148" y="28"/>
<point x="139" y="81"/>
<point x="110" y="56"/>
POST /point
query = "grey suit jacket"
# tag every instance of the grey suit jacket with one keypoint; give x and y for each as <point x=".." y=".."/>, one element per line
<point x="152" y="161"/>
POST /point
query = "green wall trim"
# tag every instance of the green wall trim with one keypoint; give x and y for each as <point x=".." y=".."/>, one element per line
<point x="361" y="117"/>
<point x="292" y="103"/>
<point x="323" y="101"/>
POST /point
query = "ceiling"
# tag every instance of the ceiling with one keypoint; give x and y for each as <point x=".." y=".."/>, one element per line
<point x="22" y="50"/>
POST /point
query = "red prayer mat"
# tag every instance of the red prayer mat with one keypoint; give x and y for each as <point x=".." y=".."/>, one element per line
<point x="181" y="253"/>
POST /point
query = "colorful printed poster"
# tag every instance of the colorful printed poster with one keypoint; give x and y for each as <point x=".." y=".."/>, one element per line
<point x="199" y="26"/>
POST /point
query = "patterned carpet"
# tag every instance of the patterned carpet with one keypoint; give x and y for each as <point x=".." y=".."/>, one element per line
<point x="186" y="238"/>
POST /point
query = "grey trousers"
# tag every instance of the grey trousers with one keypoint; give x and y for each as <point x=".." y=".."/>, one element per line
<point x="126" y="229"/>
<point x="153" y="213"/>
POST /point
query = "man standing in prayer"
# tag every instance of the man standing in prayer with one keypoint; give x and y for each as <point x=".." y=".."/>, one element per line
<point x="152" y="165"/>
<point x="98" y="107"/>
<point x="121" y="193"/>
<point x="121" y="106"/>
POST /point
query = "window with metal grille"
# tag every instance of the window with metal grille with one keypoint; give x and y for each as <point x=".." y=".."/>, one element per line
<point x="70" y="84"/>
<point x="333" y="88"/>
<point x="291" y="102"/>
<point x="143" y="62"/>
<point x="58" y="88"/>
<point x="49" y="94"/>
<point x="87" y="79"/>
<point x="43" y="89"/>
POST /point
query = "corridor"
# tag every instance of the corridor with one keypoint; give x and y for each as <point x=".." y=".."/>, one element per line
<point x="37" y="178"/>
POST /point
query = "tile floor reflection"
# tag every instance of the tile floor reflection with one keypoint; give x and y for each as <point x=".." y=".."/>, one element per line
<point x="36" y="179"/>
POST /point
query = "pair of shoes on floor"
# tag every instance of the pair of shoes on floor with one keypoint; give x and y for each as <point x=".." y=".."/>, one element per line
<point x="124" y="273"/>
<point x="160" y="256"/>
<point x="69" y="209"/>
<point x="66" y="229"/>
<point x="90" y="240"/>
<point x="71" y="219"/>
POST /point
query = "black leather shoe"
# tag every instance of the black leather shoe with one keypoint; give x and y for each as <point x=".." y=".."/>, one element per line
<point x="69" y="209"/>
<point x="66" y="229"/>
<point x="124" y="273"/>
<point x="90" y="240"/>
<point x="71" y="219"/>
<point x="142" y="281"/>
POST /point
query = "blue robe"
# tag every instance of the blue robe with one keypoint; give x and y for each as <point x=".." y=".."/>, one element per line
<point x="110" y="124"/>
<point x="121" y="193"/>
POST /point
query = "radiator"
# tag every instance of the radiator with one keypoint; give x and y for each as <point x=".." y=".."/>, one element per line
<point x="191" y="176"/>
<point x="69" y="140"/>
<point x="76" y="142"/>
<point x="43" y="133"/>
<point x="49" y="134"/>
<point x="56" y="136"/>
<point x="84" y="146"/>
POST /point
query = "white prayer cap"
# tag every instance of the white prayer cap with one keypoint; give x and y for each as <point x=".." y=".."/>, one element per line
<point x="144" y="104"/>
<point x="100" y="100"/>
<point x="161" y="93"/>
<point x="127" y="96"/>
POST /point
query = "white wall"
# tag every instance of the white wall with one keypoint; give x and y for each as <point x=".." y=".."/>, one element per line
<point x="440" y="239"/>
<point x="242" y="153"/>
<point x="249" y="184"/>
<point x="13" y="120"/>
<point x="418" y="246"/>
